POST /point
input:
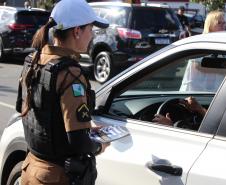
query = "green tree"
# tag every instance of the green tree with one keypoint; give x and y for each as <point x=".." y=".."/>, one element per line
<point x="211" y="4"/>
<point x="46" y="4"/>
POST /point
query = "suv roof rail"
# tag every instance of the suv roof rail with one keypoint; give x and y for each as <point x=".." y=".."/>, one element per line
<point x="9" y="8"/>
<point x="21" y="8"/>
<point x="160" y="5"/>
<point x="38" y="9"/>
<point x="117" y="3"/>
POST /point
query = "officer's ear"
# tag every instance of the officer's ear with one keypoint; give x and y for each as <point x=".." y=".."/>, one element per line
<point x="76" y="32"/>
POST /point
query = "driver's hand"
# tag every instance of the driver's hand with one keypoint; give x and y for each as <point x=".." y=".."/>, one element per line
<point x="163" y="120"/>
<point x="192" y="104"/>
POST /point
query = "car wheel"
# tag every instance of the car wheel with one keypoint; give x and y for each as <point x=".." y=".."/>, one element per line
<point x="15" y="175"/>
<point x="103" y="67"/>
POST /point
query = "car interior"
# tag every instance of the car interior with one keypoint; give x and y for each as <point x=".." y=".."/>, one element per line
<point x="162" y="90"/>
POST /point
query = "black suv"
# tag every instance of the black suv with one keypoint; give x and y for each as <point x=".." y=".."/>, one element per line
<point x="17" y="27"/>
<point x="135" y="31"/>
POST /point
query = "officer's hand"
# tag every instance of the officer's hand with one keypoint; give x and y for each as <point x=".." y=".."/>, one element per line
<point x="162" y="119"/>
<point x="104" y="146"/>
<point x="94" y="126"/>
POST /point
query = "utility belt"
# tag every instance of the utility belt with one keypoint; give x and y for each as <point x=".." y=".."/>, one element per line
<point x="81" y="170"/>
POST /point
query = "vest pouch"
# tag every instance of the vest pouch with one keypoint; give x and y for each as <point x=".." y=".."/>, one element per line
<point x="19" y="99"/>
<point x="37" y="134"/>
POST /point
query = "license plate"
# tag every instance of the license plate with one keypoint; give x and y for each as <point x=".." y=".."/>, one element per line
<point x="162" y="41"/>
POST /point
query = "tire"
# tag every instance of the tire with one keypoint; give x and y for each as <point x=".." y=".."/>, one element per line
<point x="103" y="67"/>
<point x="15" y="174"/>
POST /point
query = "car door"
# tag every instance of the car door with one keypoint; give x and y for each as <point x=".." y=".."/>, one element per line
<point x="153" y="153"/>
<point x="130" y="160"/>
<point x="210" y="167"/>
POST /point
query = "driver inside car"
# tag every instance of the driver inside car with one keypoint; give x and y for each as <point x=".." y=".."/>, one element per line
<point x="191" y="104"/>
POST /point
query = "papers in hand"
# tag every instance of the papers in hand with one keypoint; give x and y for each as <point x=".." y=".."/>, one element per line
<point x="109" y="134"/>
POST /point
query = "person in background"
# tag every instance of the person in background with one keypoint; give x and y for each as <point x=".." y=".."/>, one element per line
<point x="184" y="20"/>
<point x="27" y="4"/>
<point x="214" y="22"/>
<point x="55" y="100"/>
<point x="210" y="78"/>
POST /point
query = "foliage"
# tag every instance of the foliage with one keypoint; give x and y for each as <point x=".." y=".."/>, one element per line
<point x="211" y="4"/>
<point x="46" y="4"/>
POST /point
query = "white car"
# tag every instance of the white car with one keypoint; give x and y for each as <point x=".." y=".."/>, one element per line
<point x="192" y="152"/>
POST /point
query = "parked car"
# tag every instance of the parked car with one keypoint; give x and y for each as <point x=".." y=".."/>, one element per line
<point x="17" y="27"/>
<point x="135" y="31"/>
<point x="153" y="153"/>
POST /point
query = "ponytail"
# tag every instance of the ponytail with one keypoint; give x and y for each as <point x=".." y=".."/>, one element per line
<point x="40" y="39"/>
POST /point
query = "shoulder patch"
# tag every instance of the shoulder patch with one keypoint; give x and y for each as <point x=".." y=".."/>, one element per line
<point x="78" y="89"/>
<point x="83" y="113"/>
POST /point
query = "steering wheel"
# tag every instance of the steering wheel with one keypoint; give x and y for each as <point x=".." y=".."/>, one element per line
<point x="180" y="114"/>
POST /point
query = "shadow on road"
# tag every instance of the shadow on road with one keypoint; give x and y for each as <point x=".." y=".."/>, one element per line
<point x="7" y="89"/>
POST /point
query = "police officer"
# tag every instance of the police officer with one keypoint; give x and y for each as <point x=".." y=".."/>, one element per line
<point x="55" y="100"/>
<point x="184" y="20"/>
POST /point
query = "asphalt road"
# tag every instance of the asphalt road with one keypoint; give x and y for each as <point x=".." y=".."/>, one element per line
<point x="9" y="75"/>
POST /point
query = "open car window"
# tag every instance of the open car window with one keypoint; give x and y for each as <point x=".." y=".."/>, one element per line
<point x="195" y="75"/>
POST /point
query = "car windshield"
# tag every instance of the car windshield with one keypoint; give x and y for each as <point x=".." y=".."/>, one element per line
<point x="145" y="18"/>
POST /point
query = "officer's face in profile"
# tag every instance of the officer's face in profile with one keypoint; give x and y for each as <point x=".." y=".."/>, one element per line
<point x="180" y="11"/>
<point x="83" y="37"/>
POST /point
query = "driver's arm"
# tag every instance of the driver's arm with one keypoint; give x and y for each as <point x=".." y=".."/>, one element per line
<point x="192" y="104"/>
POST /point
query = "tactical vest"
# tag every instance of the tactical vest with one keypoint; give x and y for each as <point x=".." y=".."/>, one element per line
<point x="43" y="125"/>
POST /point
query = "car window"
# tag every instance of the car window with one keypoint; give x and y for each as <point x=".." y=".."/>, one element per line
<point x="35" y="18"/>
<point x="199" y="76"/>
<point x="145" y="18"/>
<point x="115" y="15"/>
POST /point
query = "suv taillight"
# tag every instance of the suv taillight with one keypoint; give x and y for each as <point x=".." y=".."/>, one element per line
<point x="15" y="26"/>
<point x="125" y="33"/>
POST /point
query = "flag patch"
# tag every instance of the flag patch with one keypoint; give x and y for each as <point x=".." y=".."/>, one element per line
<point x="78" y="90"/>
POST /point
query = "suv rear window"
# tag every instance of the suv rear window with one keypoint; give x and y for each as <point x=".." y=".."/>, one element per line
<point x="154" y="19"/>
<point x="115" y="15"/>
<point x="35" y="18"/>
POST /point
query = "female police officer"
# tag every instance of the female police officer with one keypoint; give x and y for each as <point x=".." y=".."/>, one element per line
<point x="55" y="100"/>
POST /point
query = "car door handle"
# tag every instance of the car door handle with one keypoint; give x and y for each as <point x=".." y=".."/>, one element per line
<point x="166" y="168"/>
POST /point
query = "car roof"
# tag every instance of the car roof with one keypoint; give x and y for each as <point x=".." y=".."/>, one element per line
<point x="17" y="9"/>
<point x="121" y="4"/>
<point x="219" y="37"/>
